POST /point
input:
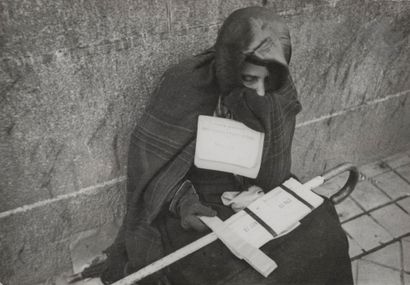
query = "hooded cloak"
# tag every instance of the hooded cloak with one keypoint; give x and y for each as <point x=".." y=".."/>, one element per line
<point x="162" y="146"/>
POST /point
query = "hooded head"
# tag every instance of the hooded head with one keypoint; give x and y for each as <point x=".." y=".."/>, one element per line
<point x="256" y="35"/>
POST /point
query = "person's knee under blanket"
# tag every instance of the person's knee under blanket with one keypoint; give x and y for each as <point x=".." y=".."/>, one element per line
<point x="245" y="77"/>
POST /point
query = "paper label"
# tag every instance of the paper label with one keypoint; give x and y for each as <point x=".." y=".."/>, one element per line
<point x="278" y="209"/>
<point x="227" y="145"/>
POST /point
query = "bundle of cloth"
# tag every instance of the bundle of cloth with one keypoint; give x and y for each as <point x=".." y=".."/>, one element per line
<point x="163" y="181"/>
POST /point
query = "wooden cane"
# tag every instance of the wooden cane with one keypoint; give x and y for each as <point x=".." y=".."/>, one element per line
<point x="209" y="238"/>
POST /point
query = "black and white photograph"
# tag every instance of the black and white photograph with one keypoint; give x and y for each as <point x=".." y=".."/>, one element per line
<point x="213" y="142"/>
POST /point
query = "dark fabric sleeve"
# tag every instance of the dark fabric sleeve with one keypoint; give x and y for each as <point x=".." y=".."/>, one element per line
<point x="185" y="188"/>
<point x="160" y="154"/>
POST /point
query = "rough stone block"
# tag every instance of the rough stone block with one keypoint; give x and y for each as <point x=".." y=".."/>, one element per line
<point x="82" y="138"/>
<point x="392" y="184"/>
<point x="38" y="27"/>
<point x="393" y="219"/>
<point x="184" y="45"/>
<point x="68" y="125"/>
<point x="335" y="69"/>
<point x="185" y="14"/>
<point x="295" y="7"/>
<point x="369" y="196"/>
<point x="321" y="145"/>
<point x="69" y="119"/>
<point x="32" y="232"/>
<point x="33" y="265"/>
<point x="226" y="7"/>
<point x="367" y="233"/>
<point x="87" y="245"/>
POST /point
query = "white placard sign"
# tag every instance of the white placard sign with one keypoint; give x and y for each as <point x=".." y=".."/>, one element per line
<point x="278" y="209"/>
<point x="229" y="146"/>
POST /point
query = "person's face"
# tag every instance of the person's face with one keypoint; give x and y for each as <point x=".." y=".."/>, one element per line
<point x="254" y="77"/>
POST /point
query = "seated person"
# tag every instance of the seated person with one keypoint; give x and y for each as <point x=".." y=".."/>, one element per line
<point x="244" y="77"/>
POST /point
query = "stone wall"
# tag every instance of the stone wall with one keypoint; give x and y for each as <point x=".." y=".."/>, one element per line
<point x="76" y="75"/>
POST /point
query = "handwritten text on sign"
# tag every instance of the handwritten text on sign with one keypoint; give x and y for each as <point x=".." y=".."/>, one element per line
<point x="228" y="142"/>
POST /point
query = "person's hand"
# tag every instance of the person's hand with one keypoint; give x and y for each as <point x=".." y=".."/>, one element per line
<point x="248" y="107"/>
<point x="190" y="208"/>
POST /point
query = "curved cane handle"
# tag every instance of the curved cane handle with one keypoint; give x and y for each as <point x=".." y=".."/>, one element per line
<point x="350" y="184"/>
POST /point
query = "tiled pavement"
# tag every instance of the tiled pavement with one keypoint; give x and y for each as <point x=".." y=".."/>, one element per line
<point x="376" y="218"/>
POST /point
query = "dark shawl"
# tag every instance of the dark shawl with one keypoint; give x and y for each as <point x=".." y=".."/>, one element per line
<point x="163" y="144"/>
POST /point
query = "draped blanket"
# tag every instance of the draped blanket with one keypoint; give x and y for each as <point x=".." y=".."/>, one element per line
<point x="162" y="146"/>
